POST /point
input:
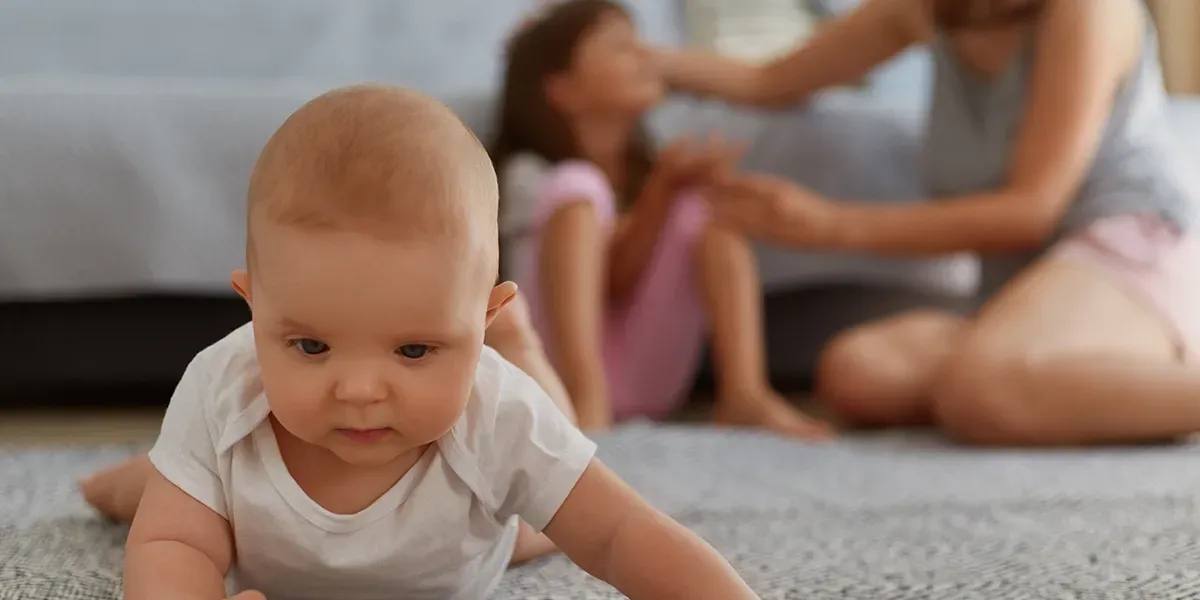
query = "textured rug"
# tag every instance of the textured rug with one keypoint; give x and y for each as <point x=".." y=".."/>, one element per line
<point x="893" y="517"/>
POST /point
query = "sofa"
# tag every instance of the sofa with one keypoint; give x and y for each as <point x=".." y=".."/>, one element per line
<point x="128" y="130"/>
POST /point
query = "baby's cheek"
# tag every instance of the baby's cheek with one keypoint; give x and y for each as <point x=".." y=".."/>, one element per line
<point x="295" y="394"/>
<point x="442" y="397"/>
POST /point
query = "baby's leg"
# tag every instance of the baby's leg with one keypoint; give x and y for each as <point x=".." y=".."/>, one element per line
<point x="732" y="298"/>
<point x="116" y="491"/>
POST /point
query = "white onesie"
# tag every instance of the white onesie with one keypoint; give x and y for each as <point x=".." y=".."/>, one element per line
<point x="446" y="530"/>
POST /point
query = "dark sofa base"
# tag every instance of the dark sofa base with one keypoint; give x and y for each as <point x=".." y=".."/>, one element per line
<point x="132" y="350"/>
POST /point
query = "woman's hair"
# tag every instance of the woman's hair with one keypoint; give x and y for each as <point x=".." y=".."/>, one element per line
<point x="528" y="123"/>
<point x="952" y="15"/>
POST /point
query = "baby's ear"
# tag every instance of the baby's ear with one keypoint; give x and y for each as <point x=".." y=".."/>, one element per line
<point x="501" y="295"/>
<point x="240" y="279"/>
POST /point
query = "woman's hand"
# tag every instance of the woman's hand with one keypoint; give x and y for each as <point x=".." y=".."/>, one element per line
<point x="776" y="210"/>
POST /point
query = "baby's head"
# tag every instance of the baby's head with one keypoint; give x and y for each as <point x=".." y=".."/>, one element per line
<point x="371" y="257"/>
<point x="580" y="61"/>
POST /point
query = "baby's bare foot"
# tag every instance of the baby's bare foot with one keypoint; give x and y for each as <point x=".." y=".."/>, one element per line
<point x="768" y="410"/>
<point x="116" y="491"/>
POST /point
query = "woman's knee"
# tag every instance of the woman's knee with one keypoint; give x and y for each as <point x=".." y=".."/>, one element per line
<point x="869" y="366"/>
<point x="980" y="396"/>
<point x="862" y="373"/>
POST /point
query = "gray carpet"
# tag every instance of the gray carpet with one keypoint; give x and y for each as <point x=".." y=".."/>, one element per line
<point x="894" y="517"/>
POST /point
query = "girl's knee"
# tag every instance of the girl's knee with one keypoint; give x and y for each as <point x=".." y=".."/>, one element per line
<point x="689" y="216"/>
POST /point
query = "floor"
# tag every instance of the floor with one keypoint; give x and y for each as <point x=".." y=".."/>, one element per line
<point x="79" y="426"/>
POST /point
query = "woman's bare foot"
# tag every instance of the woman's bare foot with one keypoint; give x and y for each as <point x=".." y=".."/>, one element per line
<point x="116" y="491"/>
<point x="768" y="410"/>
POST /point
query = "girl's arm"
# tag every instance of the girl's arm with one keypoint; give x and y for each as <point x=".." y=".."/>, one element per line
<point x="1085" y="48"/>
<point x="635" y="237"/>
<point x="841" y="52"/>
<point x="178" y="549"/>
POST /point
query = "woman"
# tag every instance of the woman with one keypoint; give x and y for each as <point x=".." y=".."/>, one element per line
<point x="1046" y="153"/>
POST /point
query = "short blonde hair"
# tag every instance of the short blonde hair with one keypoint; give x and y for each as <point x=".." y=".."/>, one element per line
<point x="380" y="159"/>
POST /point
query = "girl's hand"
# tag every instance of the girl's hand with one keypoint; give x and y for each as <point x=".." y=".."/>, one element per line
<point x="687" y="163"/>
<point x="776" y="210"/>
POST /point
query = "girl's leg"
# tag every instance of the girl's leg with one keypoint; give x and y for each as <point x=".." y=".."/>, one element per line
<point x="732" y="298"/>
<point x="1076" y="350"/>
<point x="513" y="336"/>
<point x="882" y="373"/>
<point x="654" y="341"/>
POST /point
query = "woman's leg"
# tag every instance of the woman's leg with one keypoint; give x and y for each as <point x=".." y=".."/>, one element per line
<point x="881" y="374"/>
<point x="732" y="298"/>
<point x="1063" y="356"/>
<point x="1085" y="347"/>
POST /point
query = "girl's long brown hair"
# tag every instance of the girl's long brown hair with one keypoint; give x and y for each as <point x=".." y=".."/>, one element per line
<point x="951" y="15"/>
<point x="528" y="123"/>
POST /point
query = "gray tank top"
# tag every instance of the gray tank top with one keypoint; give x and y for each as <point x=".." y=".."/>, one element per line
<point x="972" y="122"/>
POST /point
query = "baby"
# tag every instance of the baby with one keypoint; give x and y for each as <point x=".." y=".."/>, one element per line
<point x="357" y="439"/>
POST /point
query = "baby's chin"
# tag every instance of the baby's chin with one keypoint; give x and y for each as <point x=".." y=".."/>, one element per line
<point x="374" y="455"/>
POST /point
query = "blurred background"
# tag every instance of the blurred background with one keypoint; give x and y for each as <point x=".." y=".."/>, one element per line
<point x="128" y="129"/>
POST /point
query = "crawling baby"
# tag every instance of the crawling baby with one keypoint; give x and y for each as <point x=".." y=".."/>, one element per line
<point x="357" y="439"/>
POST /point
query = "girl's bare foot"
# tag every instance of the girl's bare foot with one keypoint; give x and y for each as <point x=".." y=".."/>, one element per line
<point x="768" y="410"/>
<point x="116" y="491"/>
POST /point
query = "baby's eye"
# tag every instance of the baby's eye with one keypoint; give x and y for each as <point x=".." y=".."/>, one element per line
<point x="413" y="351"/>
<point x="311" y="347"/>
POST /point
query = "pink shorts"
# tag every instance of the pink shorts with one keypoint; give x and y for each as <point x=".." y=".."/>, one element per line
<point x="1152" y="259"/>
<point x="652" y="343"/>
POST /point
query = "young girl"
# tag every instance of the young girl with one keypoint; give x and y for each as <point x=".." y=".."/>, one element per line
<point x="625" y="267"/>
<point x="1049" y="152"/>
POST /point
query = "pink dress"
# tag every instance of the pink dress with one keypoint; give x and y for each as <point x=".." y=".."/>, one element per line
<point x="652" y="344"/>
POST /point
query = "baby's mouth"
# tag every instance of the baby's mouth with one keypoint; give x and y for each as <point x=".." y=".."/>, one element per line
<point x="365" y="436"/>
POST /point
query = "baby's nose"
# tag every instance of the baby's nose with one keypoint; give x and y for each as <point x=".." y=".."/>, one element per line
<point x="361" y="388"/>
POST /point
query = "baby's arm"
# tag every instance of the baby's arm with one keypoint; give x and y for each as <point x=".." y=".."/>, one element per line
<point x="178" y="548"/>
<point x="612" y="533"/>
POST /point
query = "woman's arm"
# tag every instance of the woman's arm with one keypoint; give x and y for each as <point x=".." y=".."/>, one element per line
<point x="1085" y="49"/>
<point x="842" y="51"/>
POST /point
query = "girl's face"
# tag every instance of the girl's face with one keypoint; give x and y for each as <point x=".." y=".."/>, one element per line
<point x="612" y="72"/>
